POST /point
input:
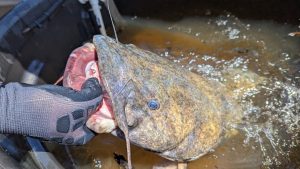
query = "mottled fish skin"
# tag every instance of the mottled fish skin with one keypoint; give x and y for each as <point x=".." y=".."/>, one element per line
<point x="189" y="120"/>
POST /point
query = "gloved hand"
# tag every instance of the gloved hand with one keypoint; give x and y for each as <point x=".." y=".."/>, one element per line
<point x="48" y="111"/>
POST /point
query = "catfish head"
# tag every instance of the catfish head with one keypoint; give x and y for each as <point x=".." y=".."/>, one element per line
<point x="161" y="106"/>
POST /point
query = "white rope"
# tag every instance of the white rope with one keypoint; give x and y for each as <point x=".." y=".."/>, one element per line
<point x="97" y="12"/>
<point x="113" y="14"/>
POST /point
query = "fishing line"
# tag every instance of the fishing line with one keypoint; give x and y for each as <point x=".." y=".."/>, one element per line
<point x="112" y="22"/>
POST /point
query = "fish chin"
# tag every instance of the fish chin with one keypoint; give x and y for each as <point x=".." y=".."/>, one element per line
<point x="112" y="71"/>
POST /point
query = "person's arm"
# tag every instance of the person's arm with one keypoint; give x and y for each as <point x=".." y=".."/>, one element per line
<point x="50" y="112"/>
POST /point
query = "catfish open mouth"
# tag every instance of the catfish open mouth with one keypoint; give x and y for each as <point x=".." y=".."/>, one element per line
<point x="82" y="65"/>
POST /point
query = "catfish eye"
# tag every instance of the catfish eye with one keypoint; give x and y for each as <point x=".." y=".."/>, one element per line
<point x="153" y="104"/>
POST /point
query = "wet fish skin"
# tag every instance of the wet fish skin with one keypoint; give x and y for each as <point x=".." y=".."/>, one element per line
<point x="189" y="120"/>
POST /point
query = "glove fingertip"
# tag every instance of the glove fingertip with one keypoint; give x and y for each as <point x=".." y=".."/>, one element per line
<point x="92" y="88"/>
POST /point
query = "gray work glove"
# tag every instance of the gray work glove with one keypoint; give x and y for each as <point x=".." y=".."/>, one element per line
<point x="50" y="112"/>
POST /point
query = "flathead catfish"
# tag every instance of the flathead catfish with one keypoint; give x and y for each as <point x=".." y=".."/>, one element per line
<point x="160" y="106"/>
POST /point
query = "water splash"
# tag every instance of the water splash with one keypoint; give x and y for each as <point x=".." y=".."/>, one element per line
<point x="260" y="78"/>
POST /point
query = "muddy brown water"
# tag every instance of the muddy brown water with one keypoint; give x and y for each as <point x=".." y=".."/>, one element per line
<point x="268" y="134"/>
